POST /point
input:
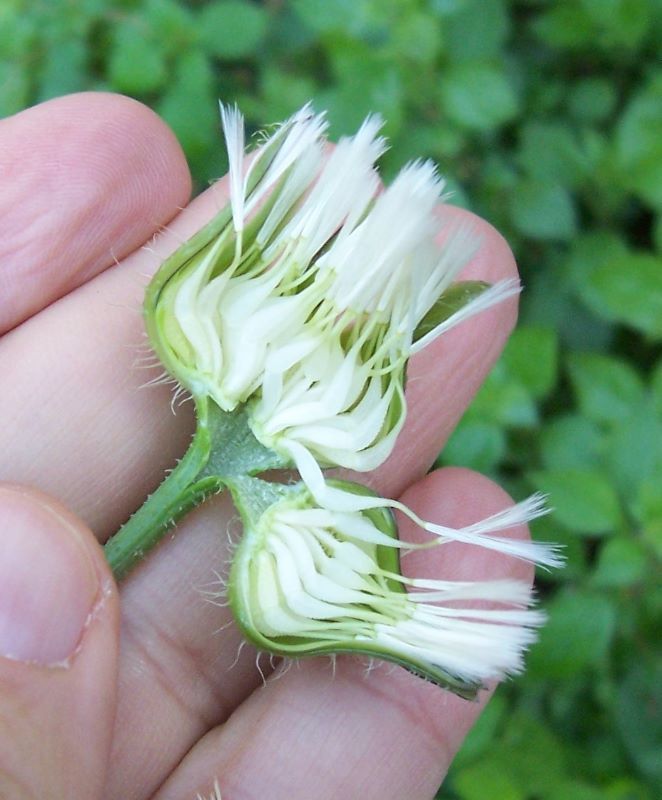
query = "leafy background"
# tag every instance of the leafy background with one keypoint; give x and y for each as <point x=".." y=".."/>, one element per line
<point x="546" y="116"/>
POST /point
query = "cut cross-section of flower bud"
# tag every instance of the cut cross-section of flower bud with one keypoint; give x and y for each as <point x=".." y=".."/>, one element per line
<point x="306" y="581"/>
<point x="311" y="288"/>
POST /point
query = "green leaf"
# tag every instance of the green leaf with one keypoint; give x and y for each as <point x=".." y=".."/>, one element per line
<point x="475" y="444"/>
<point x="552" y="152"/>
<point x="478" y="29"/>
<point x="543" y="210"/>
<point x="470" y="783"/>
<point x="352" y="16"/>
<point x="366" y="80"/>
<point x="232" y="28"/>
<point x="64" y="69"/>
<point x="532" y="754"/>
<point x="189" y="106"/>
<point x="648" y="511"/>
<point x="570" y="442"/>
<point x="575" y="790"/>
<point x="587" y="253"/>
<point x="627" y="288"/>
<point x="656" y="388"/>
<point x="503" y="400"/>
<point x="633" y="449"/>
<point x="564" y="26"/>
<point x="621" y="23"/>
<point x="531" y="356"/>
<point x="592" y="99"/>
<point x="607" y="389"/>
<point x="284" y="93"/>
<point x="639" y="143"/>
<point x="638" y="719"/>
<point x="483" y="733"/>
<point x="172" y="24"/>
<point x="627" y="789"/>
<point x="583" y="500"/>
<point x="477" y="96"/>
<point x="365" y="83"/>
<point x="137" y="61"/>
<point x="577" y="636"/>
<point x="657" y="232"/>
<point x="622" y="562"/>
<point x="594" y="23"/>
<point x="432" y="141"/>
<point x="548" y="301"/>
<point x="19" y="34"/>
<point x="572" y="547"/>
<point x="15" y="88"/>
<point x="417" y="38"/>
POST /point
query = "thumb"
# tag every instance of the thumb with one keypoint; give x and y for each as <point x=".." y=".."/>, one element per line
<point x="58" y="651"/>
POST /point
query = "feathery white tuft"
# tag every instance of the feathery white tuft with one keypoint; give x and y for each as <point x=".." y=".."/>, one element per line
<point x="233" y="130"/>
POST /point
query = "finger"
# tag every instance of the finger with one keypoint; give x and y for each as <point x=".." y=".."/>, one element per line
<point x="85" y="180"/>
<point x="58" y="651"/>
<point x="348" y="732"/>
<point x="88" y="341"/>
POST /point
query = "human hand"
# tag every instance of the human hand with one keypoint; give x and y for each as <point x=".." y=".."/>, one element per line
<point x="165" y="702"/>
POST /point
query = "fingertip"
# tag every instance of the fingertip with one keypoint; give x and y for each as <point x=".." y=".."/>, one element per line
<point x="443" y="378"/>
<point x="100" y="130"/>
<point x="53" y="579"/>
<point x="493" y="259"/>
<point x="136" y="132"/>
<point x="459" y="492"/>
<point x="58" y="650"/>
<point x="89" y="177"/>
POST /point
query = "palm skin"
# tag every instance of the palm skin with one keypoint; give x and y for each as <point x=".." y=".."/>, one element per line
<point x="151" y="695"/>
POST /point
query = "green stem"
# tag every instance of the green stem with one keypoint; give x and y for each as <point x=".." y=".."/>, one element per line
<point x="177" y="495"/>
<point x="223" y="448"/>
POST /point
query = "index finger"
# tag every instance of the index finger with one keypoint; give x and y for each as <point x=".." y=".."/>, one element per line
<point x="85" y="180"/>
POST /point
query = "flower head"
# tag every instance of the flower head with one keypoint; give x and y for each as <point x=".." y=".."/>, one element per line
<point x="310" y="291"/>
<point x="307" y="580"/>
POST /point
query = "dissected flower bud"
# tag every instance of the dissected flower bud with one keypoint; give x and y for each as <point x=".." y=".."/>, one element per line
<point x="308" y="293"/>
<point x="291" y="318"/>
<point x="307" y="580"/>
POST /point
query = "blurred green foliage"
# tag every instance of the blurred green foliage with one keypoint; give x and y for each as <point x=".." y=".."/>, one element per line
<point x="546" y="116"/>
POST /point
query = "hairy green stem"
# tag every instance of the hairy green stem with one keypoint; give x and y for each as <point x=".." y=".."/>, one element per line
<point x="223" y="447"/>
<point x="177" y="495"/>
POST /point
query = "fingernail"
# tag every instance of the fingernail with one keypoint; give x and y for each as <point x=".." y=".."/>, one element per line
<point x="48" y="583"/>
